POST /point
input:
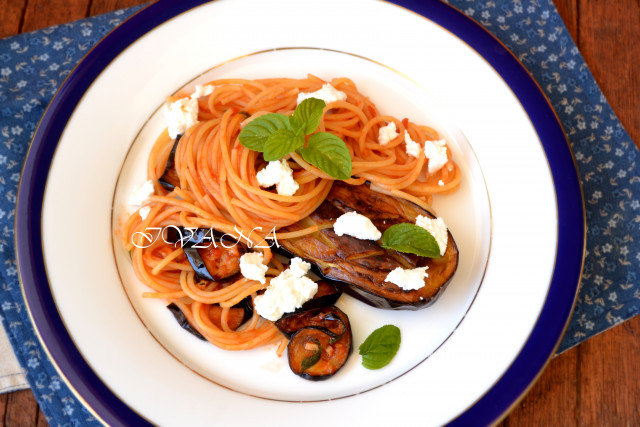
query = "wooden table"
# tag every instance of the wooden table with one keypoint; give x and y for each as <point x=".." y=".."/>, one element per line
<point x="595" y="383"/>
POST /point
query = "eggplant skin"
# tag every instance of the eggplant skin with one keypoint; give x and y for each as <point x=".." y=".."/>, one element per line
<point x="325" y="299"/>
<point x="327" y="295"/>
<point x="169" y="179"/>
<point x="183" y="322"/>
<point x="360" y="267"/>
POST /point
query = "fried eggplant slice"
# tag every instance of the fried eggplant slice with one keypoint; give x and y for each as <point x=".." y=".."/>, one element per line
<point x="212" y="258"/>
<point x="321" y="345"/>
<point x="360" y="267"/>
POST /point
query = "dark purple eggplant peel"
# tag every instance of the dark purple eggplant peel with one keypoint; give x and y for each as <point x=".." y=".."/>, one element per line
<point x="327" y="295"/>
<point x="169" y="179"/>
<point x="360" y="267"/>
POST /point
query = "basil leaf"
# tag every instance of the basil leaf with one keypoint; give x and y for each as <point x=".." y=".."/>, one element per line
<point x="409" y="238"/>
<point x="380" y="347"/>
<point x="329" y="154"/>
<point x="255" y="134"/>
<point x="280" y="143"/>
<point x="309" y="361"/>
<point x="307" y="116"/>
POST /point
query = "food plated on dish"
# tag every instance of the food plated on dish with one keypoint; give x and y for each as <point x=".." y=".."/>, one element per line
<point x="267" y="199"/>
<point x="475" y="349"/>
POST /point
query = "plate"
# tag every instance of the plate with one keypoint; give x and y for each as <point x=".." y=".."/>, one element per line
<point x="518" y="217"/>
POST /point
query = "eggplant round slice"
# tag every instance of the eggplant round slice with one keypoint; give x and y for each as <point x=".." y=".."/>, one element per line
<point x="320" y="342"/>
<point x="316" y="353"/>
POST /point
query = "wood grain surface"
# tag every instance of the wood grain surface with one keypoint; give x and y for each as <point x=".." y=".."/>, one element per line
<point x="595" y="383"/>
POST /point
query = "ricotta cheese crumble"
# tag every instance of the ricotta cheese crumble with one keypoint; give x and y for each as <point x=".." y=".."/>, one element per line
<point x="436" y="152"/>
<point x="144" y="212"/>
<point x="252" y="267"/>
<point x="278" y="173"/>
<point x="141" y="193"/>
<point x="387" y="133"/>
<point x="408" y="279"/>
<point x="287" y="291"/>
<point x="180" y="115"/>
<point x="356" y="225"/>
<point x="437" y="228"/>
<point x="201" y="90"/>
<point x="412" y="147"/>
<point x="328" y="94"/>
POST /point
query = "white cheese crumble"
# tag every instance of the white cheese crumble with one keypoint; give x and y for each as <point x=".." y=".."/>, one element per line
<point x="180" y="115"/>
<point x="356" y="225"/>
<point x="299" y="267"/>
<point x="141" y="193"/>
<point x="436" y="152"/>
<point x="412" y="147"/>
<point x="287" y="291"/>
<point x="408" y="279"/>
<point x="200" y="91"/>
<point x="144" y="212"/>
<point x="252" y="267"/>
<point x="328" y="94"/>
<point x="437" y="228"/>
<point x="278" y="173"/>
<point x="387" y="133"/>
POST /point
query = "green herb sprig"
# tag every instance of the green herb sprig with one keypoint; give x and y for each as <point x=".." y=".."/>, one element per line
<point x="276" y="135"/>
<point x="410" y="238"/>
<point x="380" y="347"/>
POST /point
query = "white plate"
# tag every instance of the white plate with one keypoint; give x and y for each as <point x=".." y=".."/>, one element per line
<point x="453" y="351"/>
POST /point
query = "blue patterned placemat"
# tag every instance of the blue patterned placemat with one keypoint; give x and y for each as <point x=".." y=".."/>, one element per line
<point x="33" y="65"/>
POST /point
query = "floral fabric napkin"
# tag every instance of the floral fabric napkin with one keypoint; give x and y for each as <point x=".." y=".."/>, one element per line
<point x="33" y="65"/>
<point x="12" y="376"/>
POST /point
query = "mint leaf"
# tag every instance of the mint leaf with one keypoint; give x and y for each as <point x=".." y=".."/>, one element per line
<point x="380" y="347"/>
<point x="255" y="134"/>
<point x="280" y="143"/>
<point x="409" y="238"/>
<point x="307" y="116"/>
<point x="329" y="154"/>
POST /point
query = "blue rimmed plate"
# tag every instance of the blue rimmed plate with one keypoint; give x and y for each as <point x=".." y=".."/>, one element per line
<point x="486" y="340"/>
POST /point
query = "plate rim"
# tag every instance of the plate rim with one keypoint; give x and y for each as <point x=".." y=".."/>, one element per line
<point x="503" y="395"/>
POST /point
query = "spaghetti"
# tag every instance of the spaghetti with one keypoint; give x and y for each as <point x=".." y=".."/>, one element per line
<point x="218" y="189"/>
